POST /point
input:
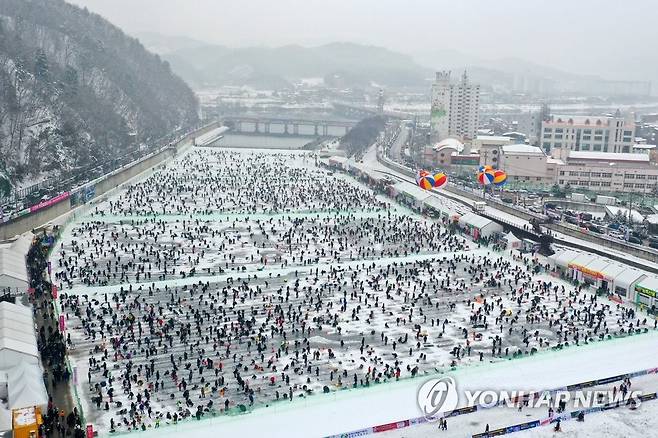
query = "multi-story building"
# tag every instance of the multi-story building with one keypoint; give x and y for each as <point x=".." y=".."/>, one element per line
<point x="612" y="134"/>
<point x="524" y="164"/>
<point x="455" y="108"/>
<point x="602" y="172"/>
<point x="609" y="172"/>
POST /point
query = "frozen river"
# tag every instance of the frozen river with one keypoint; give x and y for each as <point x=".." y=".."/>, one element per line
<point x="231" y="280"/>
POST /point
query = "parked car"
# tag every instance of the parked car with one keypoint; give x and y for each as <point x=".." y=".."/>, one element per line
<point x="596" y="229"/>
<point x="635" y="240"/>
<point x="616" y="235"/>
<point x="571" y="220"/>
<point x="653" y="245"/>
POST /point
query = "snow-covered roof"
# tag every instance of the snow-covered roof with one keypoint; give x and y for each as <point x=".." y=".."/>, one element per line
<point x="476" y="221"/>
<point x="628" y="277"/>
<point x="439" y="205"/>
<point x="613" y="211"/>
<point x="612" y="271"/>
<point x="25" y="386"/>
<point x="583" y="259"/>
<point x="652" y="219"/>
<point x="598" y="264"/>
<point x="13" y="272"/>
<point x="449" y="143"/>
<point x="17" y="336"/>
<point x="579" y="120"/>
<point x="510" y="237"/>
<point x="486" y="138"/>
<point x="412" y="190"/>
<point x="607" y="156"/>
<point x="552" y="160"/>
<point x="562" y="258"/>
<point x="522" y="149"/>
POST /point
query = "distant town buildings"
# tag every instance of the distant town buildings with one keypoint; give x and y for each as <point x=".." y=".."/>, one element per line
<point x="455" y="108"/>
<point x="613" y="134"/>
<point x="603" y="172"/>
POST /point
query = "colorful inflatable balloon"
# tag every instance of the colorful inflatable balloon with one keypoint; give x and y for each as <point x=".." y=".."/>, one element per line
<point x="486" y="178"/>
<point x="485" y="168"/>
<point x="500" y="177"/>
<point x="440" y="179"/>
<point x="426" y="182"/>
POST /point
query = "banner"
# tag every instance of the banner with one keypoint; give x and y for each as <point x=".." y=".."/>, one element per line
<point x="54" y="290"/>
<point x="49" y="202"/>
<point x="90" y="431"/>
<point x="61" y="323"/>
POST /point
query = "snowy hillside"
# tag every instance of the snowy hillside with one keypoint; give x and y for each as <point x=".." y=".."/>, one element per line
<point x="77" y="91"/>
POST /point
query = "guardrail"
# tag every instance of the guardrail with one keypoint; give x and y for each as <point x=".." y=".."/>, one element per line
<point x="30" y="218"/>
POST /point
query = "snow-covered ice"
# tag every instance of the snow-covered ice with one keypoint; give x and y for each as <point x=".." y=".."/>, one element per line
<point x="236" y="280"/>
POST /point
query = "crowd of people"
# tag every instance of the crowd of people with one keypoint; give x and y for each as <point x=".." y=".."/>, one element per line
<point x="342" y="300"/>
<point x="52" y="347"/>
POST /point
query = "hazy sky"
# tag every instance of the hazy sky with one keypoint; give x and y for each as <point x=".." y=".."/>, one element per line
<point x="604" y="37"/>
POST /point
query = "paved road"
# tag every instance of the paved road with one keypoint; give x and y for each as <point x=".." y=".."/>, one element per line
<point x="396" y="148"/>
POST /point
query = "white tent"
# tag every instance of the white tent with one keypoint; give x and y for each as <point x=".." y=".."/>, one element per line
<point x="5" y="419"/>
<point x="485" y="227"/>
<point x="26" y="386"/>
<point x="625" y="282"/>
<point x="18" y="341"/>
<point x="13" y="272"/>
<point x="27" y="394"/>
<point x="513" y="242"/>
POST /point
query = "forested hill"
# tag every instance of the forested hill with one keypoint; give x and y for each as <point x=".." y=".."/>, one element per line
<point x="75" y="90"/>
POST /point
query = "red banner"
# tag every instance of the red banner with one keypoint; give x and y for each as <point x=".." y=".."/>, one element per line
<point x="90" y="431"/>
<point x="50" y="202"/>
<point x="61" y="323"/>
<point x="54" y="291"/>
<point x="390" y="426"/>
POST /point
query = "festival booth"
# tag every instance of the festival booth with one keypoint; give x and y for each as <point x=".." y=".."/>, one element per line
<point x="626" y="281"/>
<point x="479" y="226"/>
<point x="338" y="162"/>
<point x="511" y="241"/>
<point x="610" y="272"/>
<point x="436" y="207"/>
<point x="355" y="169"/>
<point x="19" y="358"/>
<point x="375" y="178"/>
<point x="645" y="292"/>
<point x="26" y="422"/>
<point x="13" y="272"/>
<point x="578" y="268"/>
<point x="410" y="194"/>
<point x="560" y="260"/>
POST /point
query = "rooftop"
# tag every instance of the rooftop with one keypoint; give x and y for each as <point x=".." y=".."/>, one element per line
<point x="607" y="156"/>
<point x="522" y="149"/>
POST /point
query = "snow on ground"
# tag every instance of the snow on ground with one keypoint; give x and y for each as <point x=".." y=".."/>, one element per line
<point x="195" y="293"/>
<point x="348" y="410"/>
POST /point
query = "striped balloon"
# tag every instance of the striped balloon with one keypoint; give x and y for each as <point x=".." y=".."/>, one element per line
<point x="426" y="182"/>
<point x="485" y="168"/>
<point x="500" y="177"/>
<point x="486" y="178"/>
<point x="440" y="179"/>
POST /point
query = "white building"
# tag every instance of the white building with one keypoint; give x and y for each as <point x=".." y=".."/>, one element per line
<point x="455" y="108"/>
<point x="561" y="134"/>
